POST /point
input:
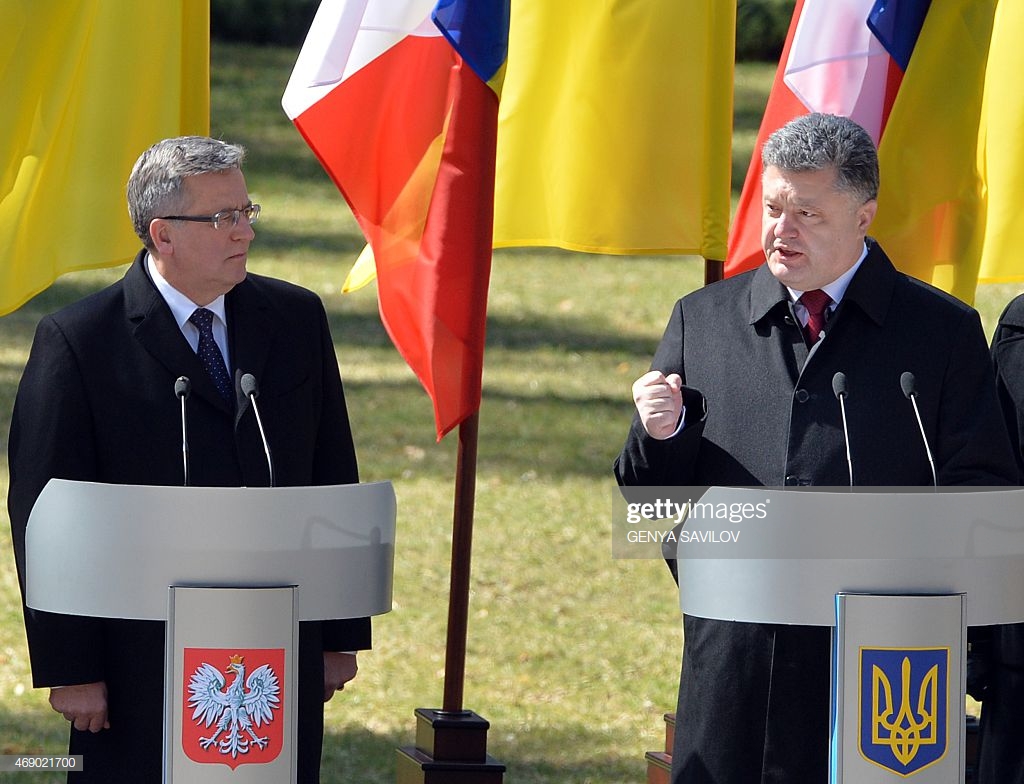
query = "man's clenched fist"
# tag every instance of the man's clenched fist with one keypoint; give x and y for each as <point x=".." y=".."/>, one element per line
<point x="659" y="401"/>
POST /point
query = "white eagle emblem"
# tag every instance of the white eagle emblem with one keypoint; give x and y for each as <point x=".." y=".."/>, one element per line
<point x="234" y="710"/>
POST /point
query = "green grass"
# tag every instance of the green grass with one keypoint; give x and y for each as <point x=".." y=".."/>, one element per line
<point x="572" y="656"/>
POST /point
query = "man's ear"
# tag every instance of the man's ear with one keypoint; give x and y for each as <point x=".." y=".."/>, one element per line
<point x="160" y="235"/>
<point x="866" y="214"/>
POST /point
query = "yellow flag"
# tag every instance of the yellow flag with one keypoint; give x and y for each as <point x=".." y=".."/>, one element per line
<point x="1002" y="129"/>
<point x="951" y="161"/>
<point x="615" y="126"/>
<point x="85" y="87"/>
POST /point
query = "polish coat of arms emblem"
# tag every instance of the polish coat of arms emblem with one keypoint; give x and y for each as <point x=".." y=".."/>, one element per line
<point x="233" y="701"/>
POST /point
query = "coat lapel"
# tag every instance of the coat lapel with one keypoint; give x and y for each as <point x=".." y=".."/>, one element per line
<point x="870" y="291"/>
<point x="771" y="315"/>
<point x="873" y="286"/>
<point x="251" y="329"/>
<point x="158" y="333"/>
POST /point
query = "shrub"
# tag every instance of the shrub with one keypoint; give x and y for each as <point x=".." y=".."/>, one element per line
<point x="761" y="27"/>
<point x="262" y="21"/>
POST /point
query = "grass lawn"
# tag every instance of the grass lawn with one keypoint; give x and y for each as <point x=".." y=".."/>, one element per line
<point x="572" y="656"/>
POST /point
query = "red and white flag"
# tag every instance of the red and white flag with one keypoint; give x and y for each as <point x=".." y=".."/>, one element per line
<point x="398" y="99"/>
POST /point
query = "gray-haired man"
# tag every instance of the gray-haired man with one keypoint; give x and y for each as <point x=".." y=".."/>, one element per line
<point x="740" y="393"/>
<point x="96" y="403"/>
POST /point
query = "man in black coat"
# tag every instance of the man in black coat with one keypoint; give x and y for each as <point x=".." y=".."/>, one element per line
<point x="741" y="393"/>
<point x="1001" y="738"/>
<point x="97" y="403"/>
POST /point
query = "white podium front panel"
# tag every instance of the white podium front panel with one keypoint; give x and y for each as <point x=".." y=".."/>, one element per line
<point x="111" y="551"/>
<point x="898" y="675"/>
<point x="231" y="686"/>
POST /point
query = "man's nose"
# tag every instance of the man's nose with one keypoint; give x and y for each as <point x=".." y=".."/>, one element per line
<point x="243" y="230"/>
<point x="784" y="226"/>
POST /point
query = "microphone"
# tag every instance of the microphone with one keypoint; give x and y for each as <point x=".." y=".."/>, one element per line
<point x="841" y="391"/>
<point x="251" y="390"/>
<point x="182" y="388"/>
<point x="909" y="386"/>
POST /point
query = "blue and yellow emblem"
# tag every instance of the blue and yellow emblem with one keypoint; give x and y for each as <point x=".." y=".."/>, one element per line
<point x="903" y="707"/>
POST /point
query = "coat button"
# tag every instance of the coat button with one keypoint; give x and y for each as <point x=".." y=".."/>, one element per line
<point x="802" y="396"/>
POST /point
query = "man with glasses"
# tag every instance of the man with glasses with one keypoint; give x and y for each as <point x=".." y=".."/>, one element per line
<point x="97" y="403"/>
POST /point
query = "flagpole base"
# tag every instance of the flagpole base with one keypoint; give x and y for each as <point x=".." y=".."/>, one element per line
<point x="451" y="748"/>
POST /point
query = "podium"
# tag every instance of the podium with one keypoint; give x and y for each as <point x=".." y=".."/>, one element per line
<point x="232" y="571"/>
<point x="898" y="576"/>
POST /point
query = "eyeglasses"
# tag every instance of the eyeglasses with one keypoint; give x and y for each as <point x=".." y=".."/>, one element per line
<point x="222" y="218"/>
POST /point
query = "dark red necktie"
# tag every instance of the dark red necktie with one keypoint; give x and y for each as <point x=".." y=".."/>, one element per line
<point x="816" y="302"/>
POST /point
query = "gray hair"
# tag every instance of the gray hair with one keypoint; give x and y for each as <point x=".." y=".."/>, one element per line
<point x="814" y="142"/>
<point x="155" y="186"/>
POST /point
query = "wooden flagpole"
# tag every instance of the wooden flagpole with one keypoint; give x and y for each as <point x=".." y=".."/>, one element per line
<point x="462" y="548"/>
<point x="714" y="271"/>
<point x="451" y="743"/>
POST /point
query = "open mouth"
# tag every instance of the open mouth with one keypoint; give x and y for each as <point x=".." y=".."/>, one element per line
<point x="786" y="254"/>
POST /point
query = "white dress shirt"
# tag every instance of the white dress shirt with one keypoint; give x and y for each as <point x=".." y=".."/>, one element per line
<point x="182" y="307"/>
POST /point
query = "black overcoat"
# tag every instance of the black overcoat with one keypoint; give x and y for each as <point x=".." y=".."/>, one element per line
<point x="97" y="403"/>
<point x="754" y="699"/>
<point x="1000" y="758"/>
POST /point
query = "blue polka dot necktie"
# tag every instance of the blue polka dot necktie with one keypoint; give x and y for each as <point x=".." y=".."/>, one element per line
<point x="209" y="353"/>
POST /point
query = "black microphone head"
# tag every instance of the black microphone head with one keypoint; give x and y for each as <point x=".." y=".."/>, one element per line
<point x="839" y="388"/>
<point x="182" y="386"/>
<point x="249" y="386"/>
<point x="908" y="384"/>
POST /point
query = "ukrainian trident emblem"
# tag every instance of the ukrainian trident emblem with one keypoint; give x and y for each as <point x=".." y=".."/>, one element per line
<point x="233" y="722"/>
<point x="903" y="707"/>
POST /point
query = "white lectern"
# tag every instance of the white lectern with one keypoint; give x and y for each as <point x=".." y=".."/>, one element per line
<point x="232" y="571"/>
<point x="899" y="575"/>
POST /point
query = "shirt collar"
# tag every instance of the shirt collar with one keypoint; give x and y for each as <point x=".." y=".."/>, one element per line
<point x="181" y="306"/>
<point x="837" y="288"/>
